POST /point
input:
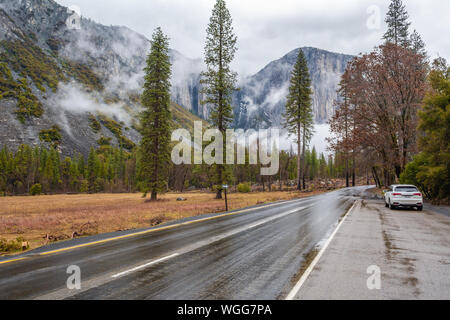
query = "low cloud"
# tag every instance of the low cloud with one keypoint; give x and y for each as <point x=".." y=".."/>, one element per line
<point x="267" y="30"/>
<point x="71" y="97"/>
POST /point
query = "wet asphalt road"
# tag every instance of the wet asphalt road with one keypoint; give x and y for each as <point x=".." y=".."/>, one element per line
<point x="250" y="255"/>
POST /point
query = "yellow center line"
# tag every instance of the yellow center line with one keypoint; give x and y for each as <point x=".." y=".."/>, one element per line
<point x="148" y="231"/>
<point x="11" y="260"/>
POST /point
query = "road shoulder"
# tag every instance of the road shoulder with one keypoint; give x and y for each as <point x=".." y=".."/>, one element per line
<point x="410" y="248"/>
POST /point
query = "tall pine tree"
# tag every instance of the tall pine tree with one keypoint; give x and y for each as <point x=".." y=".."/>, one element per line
<point x="219" y="81"/>
<point x="298" y="115"/>
<point x="417" y="44"/>
<point x="155" y="119"/>
<point x="398" y="25"/>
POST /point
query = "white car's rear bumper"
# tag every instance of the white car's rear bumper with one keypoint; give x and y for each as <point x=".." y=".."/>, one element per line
<point x="413" y="202"/>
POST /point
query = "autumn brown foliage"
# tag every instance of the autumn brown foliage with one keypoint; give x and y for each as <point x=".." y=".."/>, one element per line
<point x="381" y="93"/>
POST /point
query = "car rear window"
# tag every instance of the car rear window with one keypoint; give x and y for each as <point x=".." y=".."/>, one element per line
<point x="406" y="189"/>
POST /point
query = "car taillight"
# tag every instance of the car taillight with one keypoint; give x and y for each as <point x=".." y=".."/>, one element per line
<point x="418" y="194"/>
<point x="396" y="194"/>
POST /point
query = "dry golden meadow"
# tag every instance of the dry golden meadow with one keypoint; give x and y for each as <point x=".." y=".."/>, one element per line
<point x="44" y="219"/>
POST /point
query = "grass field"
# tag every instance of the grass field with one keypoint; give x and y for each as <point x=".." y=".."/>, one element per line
<point x="44" y="219"/>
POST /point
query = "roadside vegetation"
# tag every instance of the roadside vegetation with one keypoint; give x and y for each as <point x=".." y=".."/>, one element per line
<point x="430" y="169"/>
<point x="392" y="117"/>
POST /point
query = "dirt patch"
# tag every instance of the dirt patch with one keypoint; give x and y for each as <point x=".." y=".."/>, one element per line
<point x="307" y="260"/>
<point x="389" y="251"/>
<point x="347" y="208"/>
<point x="413" y="282"/>
<point x="443" y="261"/>
<point x="392" y="253"/>
<point x="373" y="194"/>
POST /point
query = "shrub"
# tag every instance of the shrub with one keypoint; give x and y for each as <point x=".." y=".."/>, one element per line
<point x="28" y="105"/>
<point x="431" y="179"/>
<point x="126" y="143"/>
<point x="83" y="74"/>
<point x="52" y="135"/>
<point x="104" y="141"/>
<point x="99" y="185"/>
<point x="243" y="188"/>
<point x="95" y="125"/>
<point x="54" y="44"/>
<point x="18" y="244"/>
<point x="36" y="189"/>
<point x="111" y="125"/>
<point x="84" y="187"/>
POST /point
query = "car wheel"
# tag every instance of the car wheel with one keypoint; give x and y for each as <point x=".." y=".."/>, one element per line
<point x="391" y="206"/>
<point x="419" y="208"/>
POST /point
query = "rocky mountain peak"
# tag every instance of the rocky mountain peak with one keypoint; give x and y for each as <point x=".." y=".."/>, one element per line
<point x="262" y="98"/>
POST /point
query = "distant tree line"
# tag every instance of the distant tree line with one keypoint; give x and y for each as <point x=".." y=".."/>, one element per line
<point x="40" y="170"/>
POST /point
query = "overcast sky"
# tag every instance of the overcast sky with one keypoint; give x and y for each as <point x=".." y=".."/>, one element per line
<point x="267" y="30"/>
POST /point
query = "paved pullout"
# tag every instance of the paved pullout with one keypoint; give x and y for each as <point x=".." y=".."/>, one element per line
<point x="254" y="254"/>
<point x="410" y="248"/>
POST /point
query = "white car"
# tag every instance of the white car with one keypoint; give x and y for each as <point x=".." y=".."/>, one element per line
<point x="403" y="196"/>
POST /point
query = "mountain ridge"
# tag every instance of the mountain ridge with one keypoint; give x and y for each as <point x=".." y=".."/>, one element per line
<point x="261" y="100"/>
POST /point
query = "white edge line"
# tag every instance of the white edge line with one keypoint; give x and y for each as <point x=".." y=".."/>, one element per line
<point x="145" y="265"/>
<point x="310" y="268"/>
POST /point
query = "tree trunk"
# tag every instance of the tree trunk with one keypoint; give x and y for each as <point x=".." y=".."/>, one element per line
<point x="219" y="181"/>
<point x="347" y="182"/>
<point x="398" y="171"/>
<point x="184" y="179"/>
<point x="280" y="182"/>
<point x="353" y="171"/>
<point x="375" y="177"/>
<point x="299" y="159"/>
<point x="153" y="196"/>
<point x="304" y="158"/>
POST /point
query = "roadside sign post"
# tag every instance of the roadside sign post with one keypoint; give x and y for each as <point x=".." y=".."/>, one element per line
<point x="225" y="187"/>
